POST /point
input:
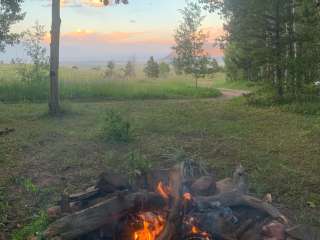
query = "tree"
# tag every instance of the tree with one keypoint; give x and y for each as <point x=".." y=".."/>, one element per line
<point x="164" y="69"/>
<point x="152" y="69"/>
<point x="190" y="55"/>
<point x="110" y="69"/>
<point x="32" y="41"/>
<point x="275" y="41"/>
<point x="10" y="13"/>
<point x="129" y="70"/>
<point x="54" y="106"/>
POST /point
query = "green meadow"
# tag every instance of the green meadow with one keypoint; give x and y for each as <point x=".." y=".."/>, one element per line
<point x="90" y="84"/>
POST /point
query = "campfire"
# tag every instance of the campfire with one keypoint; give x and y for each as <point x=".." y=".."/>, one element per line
<point x="184" y="202"/>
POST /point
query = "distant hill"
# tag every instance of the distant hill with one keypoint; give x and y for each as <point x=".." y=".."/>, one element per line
<point x="209" y="49"/>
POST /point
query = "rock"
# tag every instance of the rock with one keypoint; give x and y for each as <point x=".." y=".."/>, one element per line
<point x="274" y="231"/>
<point x="54" y="212"/>
<point x="204" y="186"/>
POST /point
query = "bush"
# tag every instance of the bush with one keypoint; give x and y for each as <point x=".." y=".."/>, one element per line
<point x="303" y="104"/>
<point x="164" y="69"/>
<point x="116" y="129"/>
<point x="152" y="69"/>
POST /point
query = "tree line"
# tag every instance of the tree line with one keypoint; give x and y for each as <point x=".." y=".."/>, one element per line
<point x="273" y="41"/>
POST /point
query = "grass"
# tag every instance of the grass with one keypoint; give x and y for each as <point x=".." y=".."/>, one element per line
<point x="279" y="149"/>
<point x="221" y="82"/>
<point x="89" y="84"/>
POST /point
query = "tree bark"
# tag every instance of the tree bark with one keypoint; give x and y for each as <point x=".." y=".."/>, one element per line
<point x="54" y="59"/>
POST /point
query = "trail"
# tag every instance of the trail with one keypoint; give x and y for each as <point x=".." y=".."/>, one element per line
<point x="232" y="93"/>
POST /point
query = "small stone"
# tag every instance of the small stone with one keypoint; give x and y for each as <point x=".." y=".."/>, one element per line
<point x="273" y="231"/>
<point x="54" y="212"/>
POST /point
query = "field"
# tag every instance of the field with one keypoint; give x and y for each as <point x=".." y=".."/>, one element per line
<point x="45" y="156"/>
<point x="90" y="84"/>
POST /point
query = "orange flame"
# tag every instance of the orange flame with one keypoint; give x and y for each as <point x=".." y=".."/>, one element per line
<point x="152" y="227"/>
<point x="162" y="190"/>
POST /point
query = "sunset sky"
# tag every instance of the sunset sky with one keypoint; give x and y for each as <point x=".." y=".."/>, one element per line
<point x="91" y="32"/>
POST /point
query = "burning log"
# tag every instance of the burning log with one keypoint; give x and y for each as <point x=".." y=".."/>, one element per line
<point x="189" y="204"/>
<point x="105" y="213"/>
<point x="176" y="180"/>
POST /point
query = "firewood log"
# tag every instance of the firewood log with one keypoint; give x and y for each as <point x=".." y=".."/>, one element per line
<point x="104" y="214"/>
<point x="236" y="198"/>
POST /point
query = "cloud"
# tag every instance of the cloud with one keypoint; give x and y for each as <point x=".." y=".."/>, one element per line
<point x="86" y="37"/>
<point x="95" y="44"/>
<point x="78" y="3"/>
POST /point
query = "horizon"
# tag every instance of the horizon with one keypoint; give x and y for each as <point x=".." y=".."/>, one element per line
<point x="86" y="38"/>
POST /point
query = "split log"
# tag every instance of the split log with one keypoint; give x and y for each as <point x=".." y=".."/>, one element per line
<point x="104" y="214"/>
<point x="174" y="220"/>
<point x="87" y="195"/>
<point x="237" y="198"/>
<point x="204" y="186"/>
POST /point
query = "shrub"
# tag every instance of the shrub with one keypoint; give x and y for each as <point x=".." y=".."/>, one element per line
<point x="164" y="69"/>
<point x="110" y="69"/>
<point x="137" y="163"/>
<point x="116" y="128"/>
<point x="152" y="68"/>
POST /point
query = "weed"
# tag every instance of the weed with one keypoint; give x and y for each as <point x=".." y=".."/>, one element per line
<point x="27" y="184"/>
<point x="137" y="164"/>
<point x="35" y="228"/>
<point x="116" y="128"/>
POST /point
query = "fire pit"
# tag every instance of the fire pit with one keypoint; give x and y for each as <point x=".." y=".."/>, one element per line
<point x="181" y="203"/>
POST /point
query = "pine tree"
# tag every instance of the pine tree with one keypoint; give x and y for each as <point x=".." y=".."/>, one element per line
<point x="152" y="69"/>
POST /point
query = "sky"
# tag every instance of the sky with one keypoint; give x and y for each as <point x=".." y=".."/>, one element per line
<point x="92" y="32"/>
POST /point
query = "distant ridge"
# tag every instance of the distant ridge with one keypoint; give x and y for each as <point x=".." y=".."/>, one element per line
<point x="213" y="52"/>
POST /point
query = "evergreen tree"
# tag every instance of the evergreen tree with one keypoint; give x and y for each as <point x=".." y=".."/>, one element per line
<point x="152" y="69"/>
<point x="274" y="41"/>
<point x="129" y="70"/>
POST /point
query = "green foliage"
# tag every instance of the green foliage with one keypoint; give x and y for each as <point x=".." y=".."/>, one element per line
<point x="152" y="68"/>
<point x="164" y="69"/>
<point x="137" y="163"/>
<point x="274" y="42"/>
<point x="38" y="72"/>
<point x="116" y="128"/>
<point x="109" y="73"/>
<point x="129" y="70"/>
<point x="32" y="40"/>
<point x="27" y="184"/>
<point x="189" y="38"/>
<point x="267" y="97"/>
<point x="10" y="13"/>
<point x="38" y="224"/>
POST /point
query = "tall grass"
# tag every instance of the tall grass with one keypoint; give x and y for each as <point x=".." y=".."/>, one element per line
<point x="91" y="84"/>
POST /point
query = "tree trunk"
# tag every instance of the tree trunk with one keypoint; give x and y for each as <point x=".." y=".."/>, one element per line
<point x="278" y="72"/>
<point x="54" y="59"/>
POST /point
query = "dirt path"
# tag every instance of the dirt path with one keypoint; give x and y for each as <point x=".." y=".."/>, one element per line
<point x="231" y="93"/>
